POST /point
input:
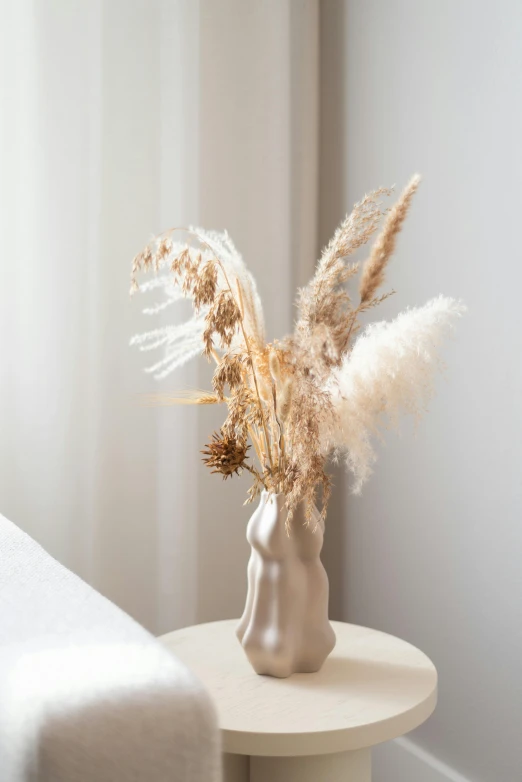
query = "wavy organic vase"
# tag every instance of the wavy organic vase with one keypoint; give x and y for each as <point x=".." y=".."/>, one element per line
<point x="284" y="628"/>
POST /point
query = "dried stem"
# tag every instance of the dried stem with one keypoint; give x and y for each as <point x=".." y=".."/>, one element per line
<point x="251" y="360"/>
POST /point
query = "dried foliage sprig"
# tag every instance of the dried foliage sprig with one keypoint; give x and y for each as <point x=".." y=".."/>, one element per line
<point x="372" y="276"/>
<point x="324" y="305"/>
<point x="319" y="392"/>
<point x="192" y="397"/>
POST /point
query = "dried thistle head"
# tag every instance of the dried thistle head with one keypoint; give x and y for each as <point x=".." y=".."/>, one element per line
<point x="225" y="454"/>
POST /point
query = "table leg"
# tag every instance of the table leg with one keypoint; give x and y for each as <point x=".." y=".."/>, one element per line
<point x="338" y="767"/>
<point x="236" y="768"/>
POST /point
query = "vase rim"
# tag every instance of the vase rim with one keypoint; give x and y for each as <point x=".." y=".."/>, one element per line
<point x="266" y="493"/>
<point x="280" y="499"/>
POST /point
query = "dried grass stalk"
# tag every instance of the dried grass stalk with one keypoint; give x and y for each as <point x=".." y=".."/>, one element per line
<point x="324" y="304"/>
<point x="374" y="268"/>
<point x="192" y="397"/>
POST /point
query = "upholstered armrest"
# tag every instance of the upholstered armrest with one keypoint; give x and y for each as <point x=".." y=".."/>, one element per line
<point x="86" y="694"/>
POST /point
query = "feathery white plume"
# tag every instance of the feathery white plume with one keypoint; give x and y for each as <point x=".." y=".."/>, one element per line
<point x="389" y="371"/>
<point x="184" y="342"/>
<point x="181" y="343"/>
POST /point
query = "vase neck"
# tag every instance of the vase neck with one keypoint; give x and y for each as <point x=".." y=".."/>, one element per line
<point x="299" y="516"/>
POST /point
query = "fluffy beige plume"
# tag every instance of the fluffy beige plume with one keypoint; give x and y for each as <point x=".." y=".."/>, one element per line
<point x="354" y="231"/>
<point x="374" y="268"/>
<point x="389" y="371"/>
<point x="324" y="305"/>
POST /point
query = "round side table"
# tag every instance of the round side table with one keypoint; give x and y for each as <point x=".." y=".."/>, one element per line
<point x="317" y="727"/>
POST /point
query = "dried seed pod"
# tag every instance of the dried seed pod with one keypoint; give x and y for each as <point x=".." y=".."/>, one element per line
<point x="225" y="455"/>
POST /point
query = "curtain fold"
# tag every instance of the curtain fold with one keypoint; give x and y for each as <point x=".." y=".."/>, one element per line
<point x="118" y="120"/>
<point x="258" y="147"/>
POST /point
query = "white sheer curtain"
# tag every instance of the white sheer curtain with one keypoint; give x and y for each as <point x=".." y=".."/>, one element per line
<point x="118" y="119"/>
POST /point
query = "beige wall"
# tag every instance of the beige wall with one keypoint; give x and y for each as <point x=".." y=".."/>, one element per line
<point x="431" y="552"/>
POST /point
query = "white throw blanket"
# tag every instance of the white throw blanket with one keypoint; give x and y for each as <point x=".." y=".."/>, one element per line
<point x="86" y="694"/>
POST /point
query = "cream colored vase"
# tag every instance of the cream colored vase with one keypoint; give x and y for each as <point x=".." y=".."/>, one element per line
<point x="284" y="628"/>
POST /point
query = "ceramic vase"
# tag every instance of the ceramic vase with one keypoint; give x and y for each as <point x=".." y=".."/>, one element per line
<point x="284" y="628"/>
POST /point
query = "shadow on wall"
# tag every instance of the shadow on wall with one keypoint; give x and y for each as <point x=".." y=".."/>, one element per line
<point x="332" y="209"/>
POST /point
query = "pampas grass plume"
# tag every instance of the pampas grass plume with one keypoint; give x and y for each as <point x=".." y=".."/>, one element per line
<point x="373" y="270"/>
<point x="390" y="371"/>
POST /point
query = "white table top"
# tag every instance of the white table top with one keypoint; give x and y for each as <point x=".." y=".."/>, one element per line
<point x="373" y="687"/>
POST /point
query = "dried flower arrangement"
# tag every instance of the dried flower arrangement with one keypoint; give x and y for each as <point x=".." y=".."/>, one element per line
<point x="321" y="392"/>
